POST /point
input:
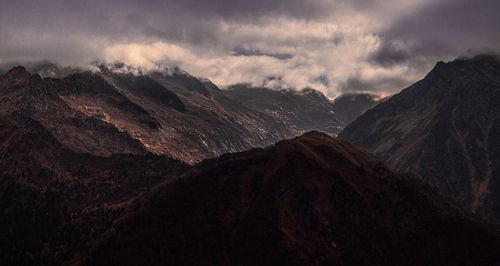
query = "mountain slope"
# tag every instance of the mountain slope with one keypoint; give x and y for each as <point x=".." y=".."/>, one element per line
<point x="308" y="201"/>
<point x="30" y="96"/>
<point x="65" y="176"/>
<point x="123" y="111"/>
<point x="53" y="201"/>
<point x="446" y="128"/>
<point x="300" y="111"/>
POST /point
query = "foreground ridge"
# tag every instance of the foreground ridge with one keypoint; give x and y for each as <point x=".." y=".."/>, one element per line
<point x="312" y="200"/>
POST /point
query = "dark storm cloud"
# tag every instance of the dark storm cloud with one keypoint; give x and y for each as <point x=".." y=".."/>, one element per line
<point x="62" y="29"/>
<point x="441" y="30"/>
<point x="240" y="51"/>
<point x="148" y="16"/>
<point x="390" y="53"/>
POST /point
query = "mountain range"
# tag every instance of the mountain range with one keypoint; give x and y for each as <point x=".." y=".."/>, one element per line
<point x="120" y="166"/>
<point x="166" y="112"/>
<point x="78" y="148"/>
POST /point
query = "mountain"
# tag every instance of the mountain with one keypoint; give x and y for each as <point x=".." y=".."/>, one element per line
<point x="120" y="110"/>
<point x="312" y="200"/>
<point x="446" y="128"/>
<point x="78" y="148"/>
<point x="78" y="151"/>
<point x="65" y="175"/>
<point x="172" y="113"/>
<point x="55" y="200"/>
<point x="300" y="111"/>
<point x="349" y="106"/>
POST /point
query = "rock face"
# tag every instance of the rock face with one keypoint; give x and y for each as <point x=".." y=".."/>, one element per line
<point x="349" y="106"/>
<point x="446" y="128"/>
<point x="300" y="111"/>
<point x="308" y="201"/>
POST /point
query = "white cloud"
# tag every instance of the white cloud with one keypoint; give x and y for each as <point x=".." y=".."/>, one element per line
<point x="323" y="54"/>
<point x="330" y="45"/>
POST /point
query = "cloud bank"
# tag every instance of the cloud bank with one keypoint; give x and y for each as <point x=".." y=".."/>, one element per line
<point x="331" y="45"/>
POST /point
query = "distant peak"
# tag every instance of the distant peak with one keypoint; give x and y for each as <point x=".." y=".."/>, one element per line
<point x="469" y="66"/>
<point x="18" y="71"/>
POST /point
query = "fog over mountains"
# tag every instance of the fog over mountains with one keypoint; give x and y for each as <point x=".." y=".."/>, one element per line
<point x="98" y="162"/>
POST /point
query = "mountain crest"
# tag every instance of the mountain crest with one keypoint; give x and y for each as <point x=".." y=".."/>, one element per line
<point x="445" y="128"/>
<point x="18" y="71"/>
<point x="16" y="74"/>
<point x="312" y="200"/>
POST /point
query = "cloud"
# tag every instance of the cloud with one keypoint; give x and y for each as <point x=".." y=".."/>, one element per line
<point x="331" y="45"/>
<point x="318" y="55"/>
<point x="443" y="30"/>
<point x="240" y="51"/>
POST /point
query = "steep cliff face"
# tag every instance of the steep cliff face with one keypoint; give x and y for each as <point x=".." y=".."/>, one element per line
<point x="446" y="128"/>
<point x="308" y="201"/>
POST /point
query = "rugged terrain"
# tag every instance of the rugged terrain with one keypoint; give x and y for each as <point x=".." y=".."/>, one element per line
<point x="167" y="112"/>
<point x="308" y="201"/>
<point x="300" y="110"/>
<point x="78" y="149"/>
<point x="446" y="128"/>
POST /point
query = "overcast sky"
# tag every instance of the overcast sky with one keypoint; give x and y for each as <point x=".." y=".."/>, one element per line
<point x="331" y="45"/>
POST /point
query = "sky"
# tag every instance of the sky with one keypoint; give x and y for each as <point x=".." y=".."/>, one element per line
<point x="335" y="46"/>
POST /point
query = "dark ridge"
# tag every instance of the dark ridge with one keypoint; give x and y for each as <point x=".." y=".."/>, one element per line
<point x="444" y="128"/>
<point x="18" y="71"/>
<point x="308" y="201"/>
<point x="14" y="76"/>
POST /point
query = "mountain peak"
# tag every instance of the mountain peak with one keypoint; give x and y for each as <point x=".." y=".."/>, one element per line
<point x="481" y="62"/>
<point x="18" y="72"/>
<point x="445" y="128"/>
